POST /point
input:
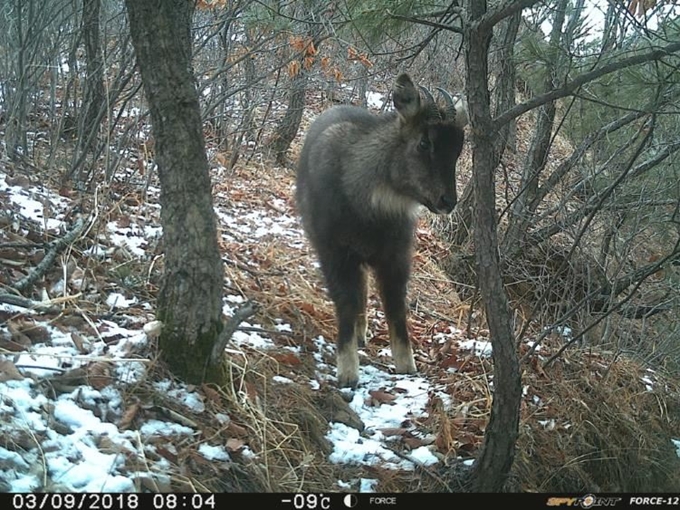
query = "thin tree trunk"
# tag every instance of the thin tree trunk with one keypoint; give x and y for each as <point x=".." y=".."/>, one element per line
<point x="94" y="101"/>
<point x="189" y="301"/>
<point x="94" y="84"/>
<point x="521" y="212"/>
<point x="289" y="125"/>
<point x="16" y="141"/>
<point x="492" y="467"/>
<point x="506" y="138"/>
<point x="505" y="81"/>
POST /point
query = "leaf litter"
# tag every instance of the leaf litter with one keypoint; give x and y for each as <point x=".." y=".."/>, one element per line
<point x="85" y="406"/>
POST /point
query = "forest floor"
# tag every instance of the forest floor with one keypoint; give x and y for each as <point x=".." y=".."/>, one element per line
<point x="86" y="405"/>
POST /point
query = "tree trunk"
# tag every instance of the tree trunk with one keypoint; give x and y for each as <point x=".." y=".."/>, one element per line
<point x="492" y="467"/>
<point x="94" y="104"/>
<point x="190" y="298"/>
<point x="523" y="210"/>
<point x="289" y="125"/>
<point x="505" y="80"/>
<point x="507" y="134"/>
<point x="16" y="141"/>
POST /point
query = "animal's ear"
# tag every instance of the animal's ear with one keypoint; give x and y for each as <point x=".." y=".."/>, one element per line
<point x="405" y="97"/>
<point x="461" y="111"/>
<point x="462" y="117"/>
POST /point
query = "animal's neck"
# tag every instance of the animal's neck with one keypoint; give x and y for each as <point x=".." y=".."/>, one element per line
<point x="371" y="190"/>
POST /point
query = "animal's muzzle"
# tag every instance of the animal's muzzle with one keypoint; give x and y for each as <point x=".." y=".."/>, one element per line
<point x="445" y="205"/>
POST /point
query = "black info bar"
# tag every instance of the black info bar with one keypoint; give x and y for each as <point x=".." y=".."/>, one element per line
<point x="324" y="501"/>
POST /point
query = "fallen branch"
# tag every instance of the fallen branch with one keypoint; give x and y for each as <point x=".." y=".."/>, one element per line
<point x="13" y="299"/>
<point x="56" y="247"/>
<point x="242" y="313"/>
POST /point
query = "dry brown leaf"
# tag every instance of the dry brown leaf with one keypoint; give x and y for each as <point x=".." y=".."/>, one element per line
<point x="413" y="442"/>
<point x="251" y="391"/>
<point x="380" y="397"/>
<point x="8" y="344"/>
<point x="9" y="372"/>
<point x="296" y="42"/>
<point x="79" y="342"/>
<point x="109" y="446"/>
<point x="153" y="483"/>
<point x="287" y="358"/>
<point x="129" y="415"/>
<point x="166" y="454"/>
<point x="308" y="62"/>
<point x="311" y="49"/>
<point x="294" y="68"/>
<point x="99" y="375"/>
<point x="36" y="332"/>
<point x="393" y="431"/>
<point x="18" y="336"/>
<point x="12" y="256"/>
<point x="234" y="444"/>
<point x="236" y="430"/>
<point x="452" y="362"/>
<point x="211" y="394"/>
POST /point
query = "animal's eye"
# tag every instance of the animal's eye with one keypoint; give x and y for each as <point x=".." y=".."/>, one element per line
<point x="424" y="145"/>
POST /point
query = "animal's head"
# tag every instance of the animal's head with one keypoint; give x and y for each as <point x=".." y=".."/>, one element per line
<point x="431" y="140"/>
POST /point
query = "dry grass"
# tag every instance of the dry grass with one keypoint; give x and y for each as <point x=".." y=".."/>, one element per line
<point x="588" y="422"/>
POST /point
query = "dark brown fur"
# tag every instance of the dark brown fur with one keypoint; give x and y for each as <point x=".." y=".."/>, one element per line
<point x="360" y="180"/>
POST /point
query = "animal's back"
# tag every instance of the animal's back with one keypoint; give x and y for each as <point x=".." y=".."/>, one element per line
<point x="330" y="133"/>
<point x="323" y="200"/>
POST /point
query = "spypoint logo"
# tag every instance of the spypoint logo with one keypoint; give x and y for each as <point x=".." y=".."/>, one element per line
<point x="590" y="501"/>
<point x="587" y="501"/>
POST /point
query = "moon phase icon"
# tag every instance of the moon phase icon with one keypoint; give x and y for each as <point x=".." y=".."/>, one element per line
<point x="350" y="500"/>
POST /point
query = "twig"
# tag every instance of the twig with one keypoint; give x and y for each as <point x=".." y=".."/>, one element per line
<point x="24" y="244"/>
<point x="255" y="329"/>
<point x="242" y="313"/>
<point x="13" y="299"/>
<point x="51" y="256"/>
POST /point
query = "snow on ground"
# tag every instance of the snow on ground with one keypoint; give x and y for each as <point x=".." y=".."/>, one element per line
<point x="34" y="203"/>
<point x="71" y="438"/>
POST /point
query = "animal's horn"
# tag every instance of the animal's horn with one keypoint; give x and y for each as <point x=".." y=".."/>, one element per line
<point x="455" y="108"/>
<point x="431" y="103"/>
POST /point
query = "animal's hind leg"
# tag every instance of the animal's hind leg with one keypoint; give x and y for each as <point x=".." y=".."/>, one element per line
<point x="361" y="323"/>
<point x="392" y="281"/>
<point x="346" y="278"/>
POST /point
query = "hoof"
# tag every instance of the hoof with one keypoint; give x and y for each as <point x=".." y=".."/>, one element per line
<point x="347" y="381"/>
<point x="348" y="369"/>
<point x="404" y="362"/>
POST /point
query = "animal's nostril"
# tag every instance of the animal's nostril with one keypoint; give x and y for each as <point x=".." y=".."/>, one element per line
<point x="447" y="203"/>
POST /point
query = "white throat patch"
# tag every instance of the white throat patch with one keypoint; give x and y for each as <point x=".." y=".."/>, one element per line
<point x="388" y="201"/>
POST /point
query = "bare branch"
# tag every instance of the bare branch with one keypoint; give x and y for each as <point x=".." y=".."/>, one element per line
<point x="495" y="16"/>
<point x="51" y="256"/>
<point x="577" y="82"/>
<point x="248" y="309"/>
<point x="428" y="23"/>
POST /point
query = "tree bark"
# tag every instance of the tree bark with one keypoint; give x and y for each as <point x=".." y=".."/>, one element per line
<point x="289" y="125"/>
<point x="505" y="80"/>
<point x="492" y="467"/>
<point x="94" y="85"/>
<point x="190" y="297"/>
<point x="94" y="105"/>
<point x="521" y="213"/>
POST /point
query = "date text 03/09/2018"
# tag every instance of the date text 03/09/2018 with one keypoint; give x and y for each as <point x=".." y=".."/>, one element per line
<point x="96" y="501"/>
